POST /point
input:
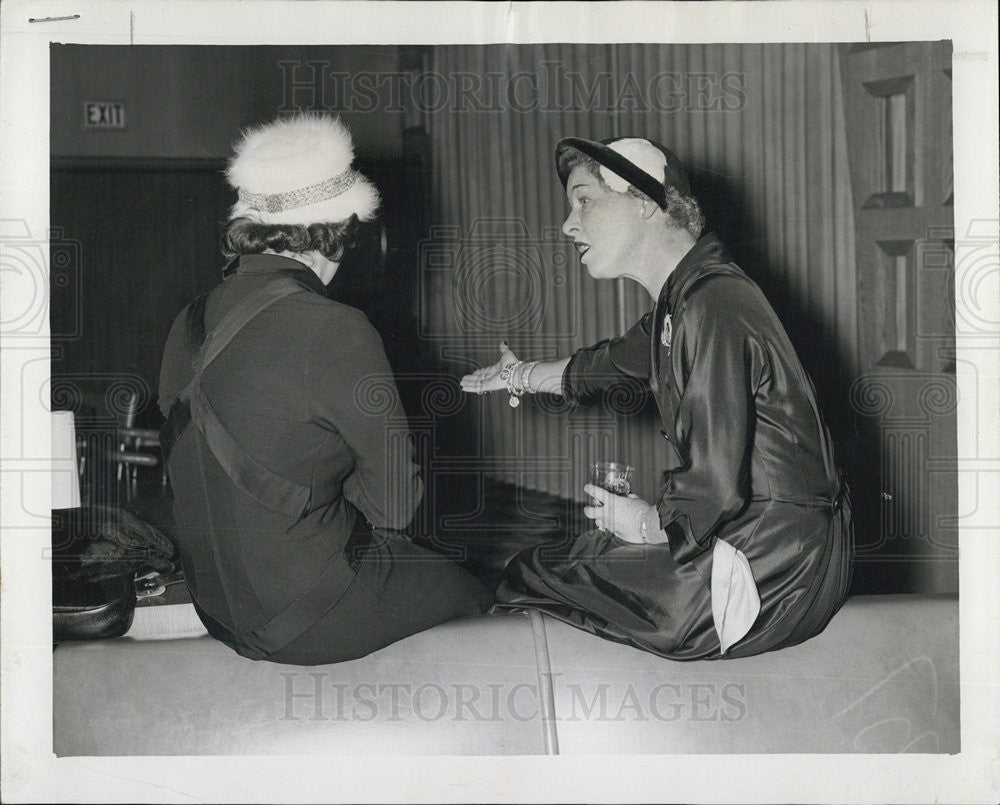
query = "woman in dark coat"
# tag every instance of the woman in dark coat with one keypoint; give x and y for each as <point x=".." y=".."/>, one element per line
<point x="748" y="547"/>
<point x="288" y="450"/>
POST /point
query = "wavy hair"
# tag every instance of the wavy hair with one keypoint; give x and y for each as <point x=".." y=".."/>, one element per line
<point x="332" y="240"/>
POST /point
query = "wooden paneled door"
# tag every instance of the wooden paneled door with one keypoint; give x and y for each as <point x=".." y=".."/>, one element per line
<point x="898" y="111"/>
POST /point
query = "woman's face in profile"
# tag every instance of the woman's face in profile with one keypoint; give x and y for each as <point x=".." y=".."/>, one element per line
<point x="602" y="223"/>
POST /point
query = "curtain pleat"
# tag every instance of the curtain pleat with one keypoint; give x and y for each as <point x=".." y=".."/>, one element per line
<point x="768" y="146"/>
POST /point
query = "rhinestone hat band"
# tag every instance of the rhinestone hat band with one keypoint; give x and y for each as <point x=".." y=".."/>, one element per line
<point x="303" y="197"/>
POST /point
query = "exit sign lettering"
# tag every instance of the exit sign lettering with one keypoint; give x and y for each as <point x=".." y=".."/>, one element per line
<point x="103" y="115"/>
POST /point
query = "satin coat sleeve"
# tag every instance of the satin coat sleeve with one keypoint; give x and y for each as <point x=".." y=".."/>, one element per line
<point x="593" y="369"/>
<point x="353" y="392"/>
<point x="716" y="363"/>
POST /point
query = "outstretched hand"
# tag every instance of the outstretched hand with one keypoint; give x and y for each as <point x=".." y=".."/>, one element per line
<point x="488" y="378"/>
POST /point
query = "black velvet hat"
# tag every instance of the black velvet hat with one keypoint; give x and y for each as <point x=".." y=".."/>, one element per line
<point x="617" y="155"/>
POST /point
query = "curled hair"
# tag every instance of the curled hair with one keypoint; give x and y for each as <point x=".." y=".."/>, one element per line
<point x="682" y="210"/>
<point x="571" y="158"/>
<point x="332" y="240"/>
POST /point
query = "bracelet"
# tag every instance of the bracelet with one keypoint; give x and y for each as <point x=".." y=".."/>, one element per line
<point x="644" y="529"/>
<point x="517" y="376"/>
<point x="507" y="376"/>
<point x="527" y="378"/>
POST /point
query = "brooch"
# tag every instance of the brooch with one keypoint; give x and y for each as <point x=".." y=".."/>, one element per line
<point x="668" y="331"/>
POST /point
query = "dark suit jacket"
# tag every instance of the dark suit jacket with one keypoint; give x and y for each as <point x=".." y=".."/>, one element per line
<point x="307" y="391"/>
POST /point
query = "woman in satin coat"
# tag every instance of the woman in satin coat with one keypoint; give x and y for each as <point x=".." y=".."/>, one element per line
<point x="748" y="547"/>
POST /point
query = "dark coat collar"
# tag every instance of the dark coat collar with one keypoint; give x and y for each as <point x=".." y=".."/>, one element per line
<point x="707" y="256"/>
<point x="246" y="264"/>
<point x="708" y="251"/>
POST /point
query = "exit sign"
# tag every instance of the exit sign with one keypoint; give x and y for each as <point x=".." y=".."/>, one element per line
<point x="103" y="115"/>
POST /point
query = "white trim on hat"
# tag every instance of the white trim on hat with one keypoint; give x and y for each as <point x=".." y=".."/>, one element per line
<point x="641" y="153"/>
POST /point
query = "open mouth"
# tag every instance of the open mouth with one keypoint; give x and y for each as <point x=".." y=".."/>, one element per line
<point x="581" y="248"/>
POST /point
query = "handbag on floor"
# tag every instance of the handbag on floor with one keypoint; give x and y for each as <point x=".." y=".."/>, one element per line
<point x="97" y="552"/>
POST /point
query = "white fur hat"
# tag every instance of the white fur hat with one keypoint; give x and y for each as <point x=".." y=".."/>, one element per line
<point x="297" y="170"/>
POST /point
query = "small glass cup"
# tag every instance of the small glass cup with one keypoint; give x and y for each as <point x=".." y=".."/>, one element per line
<point x="613" y="476"/>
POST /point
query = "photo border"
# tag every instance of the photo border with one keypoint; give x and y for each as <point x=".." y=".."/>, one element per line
<point x="30" y="771"/>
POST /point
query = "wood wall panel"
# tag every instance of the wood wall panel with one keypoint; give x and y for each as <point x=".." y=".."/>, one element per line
<point x="146" y="245"/>
<point x="906" y="377"/>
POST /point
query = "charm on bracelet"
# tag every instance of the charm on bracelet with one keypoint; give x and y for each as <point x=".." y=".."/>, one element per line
<point x="515" y="391"/>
